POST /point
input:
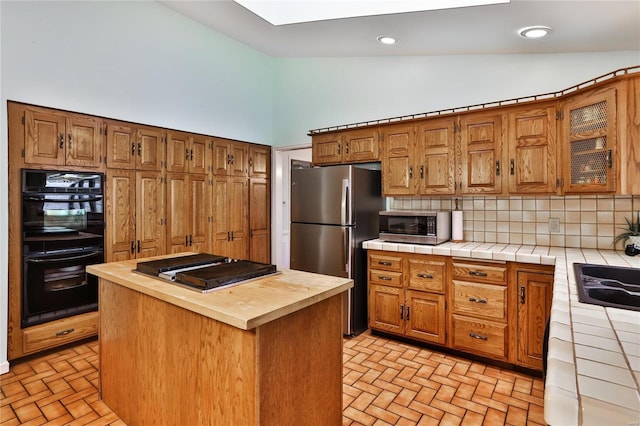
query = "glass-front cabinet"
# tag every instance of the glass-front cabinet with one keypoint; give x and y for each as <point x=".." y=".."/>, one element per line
<point x="589" y="146"/>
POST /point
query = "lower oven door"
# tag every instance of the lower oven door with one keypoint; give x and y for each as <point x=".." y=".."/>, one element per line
<point x="56" y="285"/>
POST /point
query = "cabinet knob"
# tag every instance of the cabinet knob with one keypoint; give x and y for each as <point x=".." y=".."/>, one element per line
<point x="512" y="167"/>
<point x="384" y="278"/>
<point x="426" y="276"/>
<point x="61" y="141"/>
<point x="478" y="336"/>
<point x="477" y="300"/>
<point x="478" y="273"/>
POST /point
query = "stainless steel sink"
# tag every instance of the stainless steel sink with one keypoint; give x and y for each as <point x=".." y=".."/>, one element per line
<point x="613" y="286"/>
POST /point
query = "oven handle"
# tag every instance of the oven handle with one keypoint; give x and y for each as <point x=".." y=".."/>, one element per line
<point x="69" y="200"/>
<point x="59" y="259"/>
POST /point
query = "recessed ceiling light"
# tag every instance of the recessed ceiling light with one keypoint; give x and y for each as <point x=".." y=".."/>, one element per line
<point x="384" y="39"/>
<point x="534" y="32"/>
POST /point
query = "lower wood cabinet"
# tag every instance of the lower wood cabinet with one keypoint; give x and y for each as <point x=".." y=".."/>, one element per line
<point x="59" y="332"/>
<point x="230" y="221"/>
<point x="496" y="310"/>
<point x="189" y="217"/>
<point x="259" y="220"/>
<point x="406" y="295"/>
<point x="535" y="291"/>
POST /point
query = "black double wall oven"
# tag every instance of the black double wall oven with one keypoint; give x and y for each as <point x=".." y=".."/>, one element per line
<point x="62" y="233"/>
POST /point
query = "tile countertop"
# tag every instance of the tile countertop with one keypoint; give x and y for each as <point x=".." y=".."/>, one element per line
<point x="593" y="367"/>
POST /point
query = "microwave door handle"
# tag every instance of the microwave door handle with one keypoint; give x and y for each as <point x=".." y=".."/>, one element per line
<point x="344" y="204"/>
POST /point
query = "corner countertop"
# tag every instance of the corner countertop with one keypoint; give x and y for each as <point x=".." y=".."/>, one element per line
<point x="593" y="370"/>
<point x="245" y="305"/>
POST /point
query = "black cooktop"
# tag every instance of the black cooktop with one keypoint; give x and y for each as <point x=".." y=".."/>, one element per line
<point x="205" y="271"/>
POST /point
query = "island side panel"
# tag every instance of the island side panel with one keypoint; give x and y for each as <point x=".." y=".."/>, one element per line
<point x="300" y="367"/>
<point x="164" y="365"/>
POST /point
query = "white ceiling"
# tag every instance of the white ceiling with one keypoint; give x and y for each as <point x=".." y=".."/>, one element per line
<point x="578" y="26"/>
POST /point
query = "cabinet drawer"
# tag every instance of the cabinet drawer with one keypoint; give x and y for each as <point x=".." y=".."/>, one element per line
<point x="387" y="263"/>
<point x="480" y="337"/>
<point x="59" y="333"/>
<point x="385" y="277"/>
<point x="480" y="272"/>
<point x="484" y="300"/>
<point x="427" y="275"/>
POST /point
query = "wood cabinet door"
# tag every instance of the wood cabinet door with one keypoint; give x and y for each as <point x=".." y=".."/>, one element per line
<point x="150" y="149"/>
<point x="121" y="146"/>
<point x="535" y="291"/>
<point x="532" y="150"/>
<point x="120" y="239"/>
<point x="481" y="148"/>
<point x="221" y="232"/>
<point x="239" y="159"/>
<point x="221" y="157"/>
<point x="178" y="213"/>
<point x="238" y="218"/>
<point x="260" y="220"/>
<point x="361" y="145"/>
<point x="259" y="161"/>
<point x="436" y="157"/>
<point x="178" y="151"/>
<point x="44" y="137"/>
<point x="384" y="308"/>
<point x="199" y="154"/>
<point x="398" y="177"/>
<point x="150" y="214"/>
<point x="198" y="207"/>
<point x="84" y="142"/>
<point x="589" y="142"/>
<point x="424" y="314"/>
<point x="326" y="149"/>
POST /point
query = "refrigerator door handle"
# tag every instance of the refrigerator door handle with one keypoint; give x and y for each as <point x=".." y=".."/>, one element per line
<point x="344" y="204"/>
<point x="347" y="250"/>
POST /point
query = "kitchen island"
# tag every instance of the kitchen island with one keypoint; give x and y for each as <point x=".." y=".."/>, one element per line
<point x="266" y="351"/>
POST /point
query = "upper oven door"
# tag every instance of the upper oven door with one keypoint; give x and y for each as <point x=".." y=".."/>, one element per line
<point x="45" y="214"/>
<point x="60" y="202"/>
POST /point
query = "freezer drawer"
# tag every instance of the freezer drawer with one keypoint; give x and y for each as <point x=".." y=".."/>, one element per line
<point x="323" y="249"/>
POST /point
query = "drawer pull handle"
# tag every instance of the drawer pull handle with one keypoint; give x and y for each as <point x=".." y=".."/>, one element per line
<point x="384" y="278"/>
<point x="427" y="276"/>
<point x="478" y="273"/>
<point x="64" y="332"/>
<point x="478" y="336"/>
<point x="477" y="300"/>
<point x="384" y="263"/>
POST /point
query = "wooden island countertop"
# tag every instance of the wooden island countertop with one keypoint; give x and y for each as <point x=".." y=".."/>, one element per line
<point x="245" y="305"/>
<point x="263" y="352"/>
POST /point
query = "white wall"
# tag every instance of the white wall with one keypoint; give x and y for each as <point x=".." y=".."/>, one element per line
<point x="142" y="62"/>
<point x="323" y="92"/>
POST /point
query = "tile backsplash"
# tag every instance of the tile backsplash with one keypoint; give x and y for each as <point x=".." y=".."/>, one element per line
<point x="586" y="221"/>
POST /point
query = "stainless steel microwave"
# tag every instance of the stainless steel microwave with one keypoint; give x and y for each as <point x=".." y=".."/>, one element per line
<point x="416" y="227"/>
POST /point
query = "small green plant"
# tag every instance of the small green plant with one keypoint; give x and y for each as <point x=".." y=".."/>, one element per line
<point x="632" y="229"/>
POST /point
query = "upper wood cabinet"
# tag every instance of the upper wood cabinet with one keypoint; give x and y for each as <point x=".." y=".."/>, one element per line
<point x="398" y="175"/>
<point x="134" y="147"/>
<point x="259" y="161"/>
<point x="230" y="158"/>
<point x="481" y="137"/>
<point x="436" y="156"/>
<point x="188" y="153"/>
<point x="589" y="148"/>
<point x="532" y="150"/>
<point x="58" y="138"/>
<point x="353" y="146"/>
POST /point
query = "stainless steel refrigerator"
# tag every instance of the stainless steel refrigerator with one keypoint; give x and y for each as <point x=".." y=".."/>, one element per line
<point x="333" y="210"/>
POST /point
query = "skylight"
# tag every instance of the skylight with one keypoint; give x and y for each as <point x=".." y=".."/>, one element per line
<point x="282" y="12"/>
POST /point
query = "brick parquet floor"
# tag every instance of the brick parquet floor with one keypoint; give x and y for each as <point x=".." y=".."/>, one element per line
<point x="384" y="383"/>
